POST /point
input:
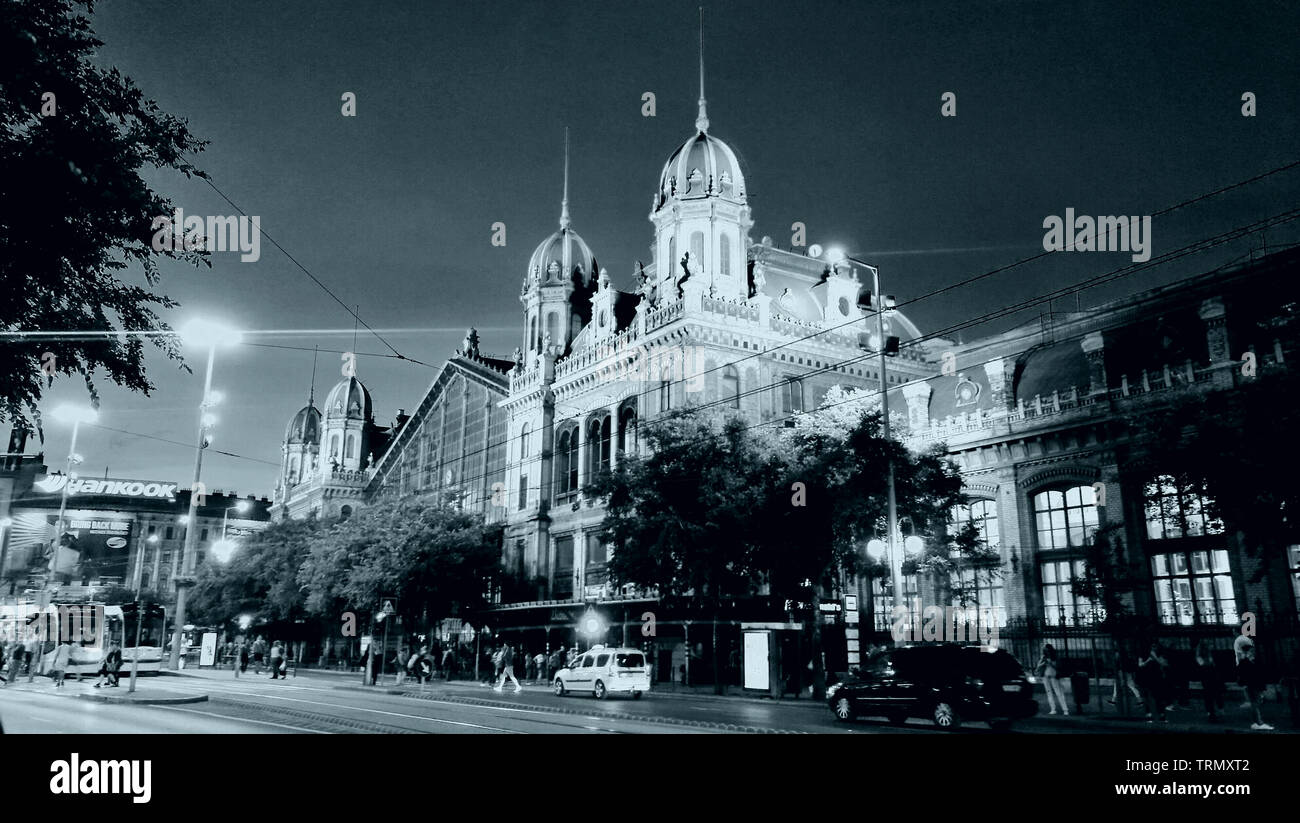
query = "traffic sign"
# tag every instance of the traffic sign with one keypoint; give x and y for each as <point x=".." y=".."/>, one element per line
<point x="390" y="607"/>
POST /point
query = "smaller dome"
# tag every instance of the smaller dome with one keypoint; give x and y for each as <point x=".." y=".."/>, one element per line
<point x="348" y="399"/>
<point x="305" y="427"/>
<point x="703" y="166"/>
<point x="552" y="250"/>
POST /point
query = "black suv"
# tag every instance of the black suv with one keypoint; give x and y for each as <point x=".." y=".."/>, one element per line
<point x="944" y="683"/>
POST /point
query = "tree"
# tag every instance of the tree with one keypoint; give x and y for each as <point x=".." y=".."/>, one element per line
<point x="260" y="579"/>
<point x="682" y="520"/>
<point x="1109" y="581"/>
<point x="833" y="497"/>
<point x="75" y="211"/>
<point x="436" y="559"/>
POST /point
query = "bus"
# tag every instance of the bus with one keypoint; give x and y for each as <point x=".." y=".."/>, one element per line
<point x="90" y="627"/>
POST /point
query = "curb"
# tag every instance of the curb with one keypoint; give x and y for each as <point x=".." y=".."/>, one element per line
<point x="143" y="701"/>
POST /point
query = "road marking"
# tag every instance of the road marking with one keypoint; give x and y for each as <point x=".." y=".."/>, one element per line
<point x="244" y="720"/>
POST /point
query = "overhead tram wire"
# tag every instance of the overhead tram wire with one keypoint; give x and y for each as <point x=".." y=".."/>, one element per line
<point x="1124" y="271"/>
<point x="189" y="446"/>
<point x="355" y="315"/>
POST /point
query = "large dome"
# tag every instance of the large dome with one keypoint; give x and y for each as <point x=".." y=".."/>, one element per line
<point x="305" y="427"/>
<point x="348" y="399"/>
<point x="566" y="250"/>
<point x="703" y="166"/>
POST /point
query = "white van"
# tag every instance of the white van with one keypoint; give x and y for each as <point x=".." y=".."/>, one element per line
<point x="603" y="671"/>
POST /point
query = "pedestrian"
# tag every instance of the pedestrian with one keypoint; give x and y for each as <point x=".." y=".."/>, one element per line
<point x="1123" y="678"/>
<point x="539" y="663"/>
<point x="507" y="669"/>
<point x="277" y="660"/>
<point x="1152" y="674"/>
<point x="1048" y="667"/>
<point x="109" y="666"/>
<point x="242" y="653"/>
<point x="59" y="665"/>
<point x="448" y="662"/>
<point x="259" y="654"/>
<point x="1251" y="676"/>
<point x="1211" y="683"/>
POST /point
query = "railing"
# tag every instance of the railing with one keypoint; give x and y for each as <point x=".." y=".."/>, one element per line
<point x="657" y="318"/>
<point x="525" y="380"/>
<point x="740" y="309"/>
<point x="619" y="344"/>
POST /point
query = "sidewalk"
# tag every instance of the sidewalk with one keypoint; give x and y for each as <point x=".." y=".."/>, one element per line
<point x="146" y="693"/>
<point x="1235" y="717"/>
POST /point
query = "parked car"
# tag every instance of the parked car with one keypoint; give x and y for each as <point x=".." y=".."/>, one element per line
<point x="944" y="683"/>
<point x="603" y="671"/>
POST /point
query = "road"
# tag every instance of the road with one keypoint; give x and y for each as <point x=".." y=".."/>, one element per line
<point x="315" y="703"/>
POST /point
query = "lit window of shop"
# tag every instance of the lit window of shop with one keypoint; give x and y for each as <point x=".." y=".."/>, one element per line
<point x="1194" y="587"/>
<point x="1065" y="518"/>
<point x="1176" y="510"/>
<point x="1061" y="606"/>
<point x="882" y="600"/>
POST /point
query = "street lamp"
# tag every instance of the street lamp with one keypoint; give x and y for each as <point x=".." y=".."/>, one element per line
<point x="223" y="549"/>
<point x="210" y="335"/>
<point x="880" y="303"/>
<point x="76" y="415"/>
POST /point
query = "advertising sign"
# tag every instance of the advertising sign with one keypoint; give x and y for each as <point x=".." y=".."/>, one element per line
<point x="110" y="486"/>
<point x="757" y="649"/>
<point x="98" y="545"/>
<point x="208" y="649"/>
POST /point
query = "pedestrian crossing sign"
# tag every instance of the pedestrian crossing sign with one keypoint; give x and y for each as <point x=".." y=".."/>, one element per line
<point x="390" y="608"/>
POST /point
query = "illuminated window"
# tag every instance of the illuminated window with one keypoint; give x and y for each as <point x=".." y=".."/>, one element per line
<point x="882" y="601"/>
<point x="1177" y="510"/>
<point x="984" y="514"/>
<point x="1061" y="606"/>
<point x="1065" y="518"/>
<point x="981" y="589"/>
<point x="1293" y="561"/>
<point x="1194" y="587"/>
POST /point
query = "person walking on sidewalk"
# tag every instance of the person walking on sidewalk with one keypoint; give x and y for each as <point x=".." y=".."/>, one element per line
<point x="507" y="669"/>
<point x="59" y="665"/>
<point x="16" y="656"/>
<point x="1251" y="676"/>
<point x="259" y="654"/>
<point x="109" y="666"/>
<point x="1152" y="675"/>
<point x="241" y="657"/>
<point x="1048" y="668"/>
<point x="1123" y="677"/>
<point x="277" y="659"/>
<point x="540" y="661"/>
<point x="1211" y="683"/>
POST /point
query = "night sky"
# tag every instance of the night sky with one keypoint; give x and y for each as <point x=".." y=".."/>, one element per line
<point x="833" y="109"/>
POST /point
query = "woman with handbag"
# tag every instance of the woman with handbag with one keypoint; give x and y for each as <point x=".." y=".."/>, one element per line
<point x="1048" y="667"/>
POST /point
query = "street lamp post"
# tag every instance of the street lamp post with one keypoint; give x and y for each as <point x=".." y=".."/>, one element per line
<point x="76" y="415"/>
<point x="211" y="336"/>
<point x="892" y="537"/>
<point x="4" y="545"/>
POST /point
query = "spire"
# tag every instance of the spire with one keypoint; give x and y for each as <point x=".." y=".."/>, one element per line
<point x="564" y="203"/>
<point x="702" y="121"/>
<point x="311" y="397"/>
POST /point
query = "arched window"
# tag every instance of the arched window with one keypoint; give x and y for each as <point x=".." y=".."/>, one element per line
<point x="352" y="446"/>
<point x="665" y="390"/>
<point x="697" y="249"/>
<point x="672" y="258"/>
<point x="627" y="429"/>
<point x="553" y="328"/>
<point x="724" y="255"/>
<point x="334" y="446"/>
<point x="1066" y="518"/>
<point x="598" y="445"/>
<point x="293" y="469"/>
<point x="731" y="387"/>
<point x="984" y="514"/>
<point x="791" y="396"/>
<point x="345" y="512"/>
<point x="523" y="442"/>
<point x="566" y="463"/>
<point x="533" y="343"/>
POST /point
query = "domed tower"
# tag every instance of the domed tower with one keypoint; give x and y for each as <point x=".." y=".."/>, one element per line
<point x="346" y="426"/>
<point x="701" y="215"/>
<point x="301" y="446"/>
<point x="557" y="290"/>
